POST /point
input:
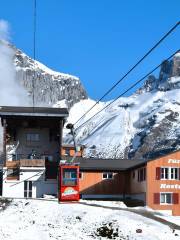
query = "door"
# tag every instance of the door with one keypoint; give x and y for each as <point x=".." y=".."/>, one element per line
<point x="1" y="180"/>
<point x="28" y="189"/>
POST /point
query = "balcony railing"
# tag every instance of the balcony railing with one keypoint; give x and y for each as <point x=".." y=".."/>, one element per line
<point x="25" y="160"/>
<point x="26" y="163"/>
<point x="32" y="163"/>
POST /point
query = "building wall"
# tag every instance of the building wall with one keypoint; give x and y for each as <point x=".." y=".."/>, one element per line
<point x="92" y="183"/>
<point x="42" y="147"/>
<point x="15" y="188"/>
<point x="71" y="151"/>
<point x="1" y="179"/>
<point x="136" y="187"/>
<point x="154" y="186"/>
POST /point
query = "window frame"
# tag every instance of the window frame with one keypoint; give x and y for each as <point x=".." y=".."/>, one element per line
<point x="28" y="189"/>
<point x="107" y="177"/>
<point x="163" y="173"/>
<point x="169" y="173"/>
<point x="14" y="175"/>
<point x="30" y="139"/>
<point x="80" y="177"/>
<point x="142" y="174"/>
<point x="72" y="180"/>
<point x="177" y="173"/>
<point x="165" y="203"/>
<point x="67" y="152"/>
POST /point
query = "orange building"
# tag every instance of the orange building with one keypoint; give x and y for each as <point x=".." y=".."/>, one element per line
<point x="69" y="150"/>
<point x="156" y="182"/>
<point x="109" y="178"/>
<point x="163" y="183"/>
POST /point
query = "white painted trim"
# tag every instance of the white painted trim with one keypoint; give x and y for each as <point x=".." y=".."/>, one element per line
<point x="169" y="173"/>
<point x="167" y="204"/>
<point x="32" y="168"/>
<point x="108" y="178"/>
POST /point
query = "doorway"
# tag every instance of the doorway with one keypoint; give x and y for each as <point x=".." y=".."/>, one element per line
<point x="28" y="189"/>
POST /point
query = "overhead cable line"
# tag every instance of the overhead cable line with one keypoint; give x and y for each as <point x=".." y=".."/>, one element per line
<point x="34" y="52"/>
<point x="131" y="69"/>
<point x="39" y="173"/>
<point x="16" y="171"/>
<point x="132" y="86"/>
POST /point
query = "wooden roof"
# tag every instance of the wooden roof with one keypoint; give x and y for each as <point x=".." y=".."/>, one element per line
<point x="33" y="111"/>
<point x="96" y="164"/>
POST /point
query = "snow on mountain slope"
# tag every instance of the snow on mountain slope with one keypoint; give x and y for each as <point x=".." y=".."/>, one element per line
<point x="143" y="125"/>
<point x="123" y="123"/>
<point x="123" y="130"/>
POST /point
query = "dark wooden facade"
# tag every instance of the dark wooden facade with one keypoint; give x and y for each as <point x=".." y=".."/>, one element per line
<point x="41" y="152"/>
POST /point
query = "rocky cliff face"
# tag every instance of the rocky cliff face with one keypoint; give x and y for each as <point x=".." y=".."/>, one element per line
<point x="158" y="128"/>
<point x="169" y="77"/>
<point x="50" y="87"/>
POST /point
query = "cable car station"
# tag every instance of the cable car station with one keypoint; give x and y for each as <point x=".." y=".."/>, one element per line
<point x="33" y="166"/>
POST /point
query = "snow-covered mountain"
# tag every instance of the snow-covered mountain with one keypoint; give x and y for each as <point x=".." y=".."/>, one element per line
<point x="144" y="125"/>
<point x="50" y="87"/>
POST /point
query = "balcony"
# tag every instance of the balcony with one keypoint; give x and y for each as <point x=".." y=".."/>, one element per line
<point x="28" y="160"/>
<point x="25" y="163"/>
<point x="32" y="163"/>
<point x="12" y="164"/>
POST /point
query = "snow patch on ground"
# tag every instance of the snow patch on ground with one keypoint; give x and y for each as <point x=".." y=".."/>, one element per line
<point x="44" y="220"/>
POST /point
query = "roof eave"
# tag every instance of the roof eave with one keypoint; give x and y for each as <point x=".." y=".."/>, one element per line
<point x="32" y="114"/>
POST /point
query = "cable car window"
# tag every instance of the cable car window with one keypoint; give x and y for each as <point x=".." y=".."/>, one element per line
<point x="69" y="177"/>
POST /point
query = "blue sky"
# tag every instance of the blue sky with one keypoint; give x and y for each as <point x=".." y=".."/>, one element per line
<point x="97" y="40"/>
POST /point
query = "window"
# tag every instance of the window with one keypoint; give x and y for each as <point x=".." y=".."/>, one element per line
<point x="141" y="174"/>
<point x="28" y="189"/>
<point x="47" y="157"/>
<point x="32" y="137"/>
<point x="80" y="175"/>
<point x="67" y="152"/>
<point x="133" y="174"/>
<point x="12" y="173"/>
<point x="174" y="173"/>
<point x="169" y="173"/>
<point x="107" y="175"/>
<point x="164" y="173"/>
<point x="166" y="198"/>
<point x="70" y="177"/>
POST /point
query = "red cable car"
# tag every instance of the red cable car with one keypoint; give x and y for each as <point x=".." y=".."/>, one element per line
<point x="68" y="182"/>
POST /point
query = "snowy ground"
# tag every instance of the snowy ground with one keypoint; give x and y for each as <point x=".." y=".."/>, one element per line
<point x="44" y="220"/>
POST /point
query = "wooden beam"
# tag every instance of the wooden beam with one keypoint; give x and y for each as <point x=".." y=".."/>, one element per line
<point x="60" y="138"/>
<point x="4" y="141"/>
